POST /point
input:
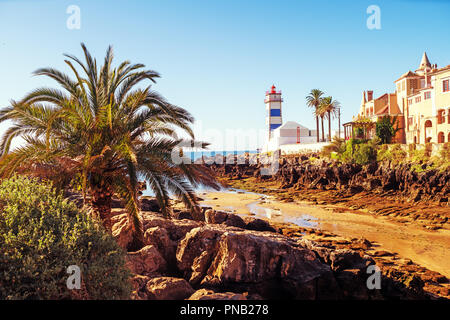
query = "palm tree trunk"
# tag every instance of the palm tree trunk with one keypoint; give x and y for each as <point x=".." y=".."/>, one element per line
<point x="329" y="126"/>
<point x="101" y="204"/>
<point x="323" y="132"/>
<point x="317" y="127"/>
<point x="339" y="122"/>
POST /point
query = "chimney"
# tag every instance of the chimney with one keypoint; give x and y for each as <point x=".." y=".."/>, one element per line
<point x="369" y="95"/>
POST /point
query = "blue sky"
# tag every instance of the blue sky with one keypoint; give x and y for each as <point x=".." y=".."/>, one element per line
<point x="217" y="58"/>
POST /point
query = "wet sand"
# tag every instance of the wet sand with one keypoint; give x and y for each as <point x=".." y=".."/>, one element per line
<point x="429" y="249"/>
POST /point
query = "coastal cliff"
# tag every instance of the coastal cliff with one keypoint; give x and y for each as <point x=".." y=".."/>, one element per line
<point x="385" y="188"/>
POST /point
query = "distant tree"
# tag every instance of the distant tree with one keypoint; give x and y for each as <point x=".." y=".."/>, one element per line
<point x="313" y="101"/>
<point x="329" y="107"/>
<point x="386" y="128"/>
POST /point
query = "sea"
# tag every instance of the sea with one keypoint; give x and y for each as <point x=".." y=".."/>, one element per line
<point x="194" y="155"/>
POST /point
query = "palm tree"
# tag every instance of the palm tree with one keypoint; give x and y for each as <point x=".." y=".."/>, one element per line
<point x="103" y="132"/>
<point x="329" y="107"/>
<point x="320" y="113"/>
<point x="313" y="101"/>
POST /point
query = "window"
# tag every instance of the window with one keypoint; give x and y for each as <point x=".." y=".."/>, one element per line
<point x="418" y="99"/>
<point x="427" y="95"/>
<point x="445" y="86"/>
<point x="440" y="116"/>
<point x="403" y="85"/>
<point x="410" y="101"/>
<point x="410" y="121"/>
<point x="422" y="83"/>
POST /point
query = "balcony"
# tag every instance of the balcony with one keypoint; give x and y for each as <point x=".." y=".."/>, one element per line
<point x="275" y="99"/>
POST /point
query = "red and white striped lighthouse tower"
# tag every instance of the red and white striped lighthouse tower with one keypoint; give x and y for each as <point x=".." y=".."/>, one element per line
<point x="273" y="102"/>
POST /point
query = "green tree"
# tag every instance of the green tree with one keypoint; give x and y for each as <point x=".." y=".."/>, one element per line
<point x="386" y="128"/>
<point x="313" y="101"/>
<point x="103" y="130"/>
<point x="328" y="107"/>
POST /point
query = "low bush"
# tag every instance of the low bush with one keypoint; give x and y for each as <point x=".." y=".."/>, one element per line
<point x="364" y="154"/>
<point x="42" y="234"/>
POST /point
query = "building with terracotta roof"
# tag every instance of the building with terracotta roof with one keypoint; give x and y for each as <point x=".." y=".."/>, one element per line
<point x="424" y="96"/>
<point x="421" y="104"/>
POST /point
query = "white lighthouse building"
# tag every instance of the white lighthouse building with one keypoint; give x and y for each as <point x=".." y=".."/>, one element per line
<point x="287" y="136"/>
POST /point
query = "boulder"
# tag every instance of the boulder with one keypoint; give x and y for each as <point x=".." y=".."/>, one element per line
<point x="229" y="219"/>
<point x="339" y="259"/>
<point x="176" y="229"/>
<point x="213" y="216"/>
<point x="138" y="283"/>
<point x="121" y="230"/>
<point x="258" y="224"/>
<point x="147" y="261"/>
<point x="160" y="238"/>
<point x="265" y="263"/>
<point x="168" y="288"/>
<point x="150" y="204"/>
<point x="234" y="220"/>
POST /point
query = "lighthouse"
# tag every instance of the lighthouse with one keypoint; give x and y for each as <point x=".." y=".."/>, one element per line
<point x="273" y="102"/>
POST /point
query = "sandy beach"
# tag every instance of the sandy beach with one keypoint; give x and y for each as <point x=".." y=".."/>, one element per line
<point x="426" y="248"/>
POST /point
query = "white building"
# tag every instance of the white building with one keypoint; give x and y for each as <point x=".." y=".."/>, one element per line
<point x="283" y="136"/>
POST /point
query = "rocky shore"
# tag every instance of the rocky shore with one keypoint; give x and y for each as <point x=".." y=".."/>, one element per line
<point x="225" y="256"/>
<point x="385" y="189"/>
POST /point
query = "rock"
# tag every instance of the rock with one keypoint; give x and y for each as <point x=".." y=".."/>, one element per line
<point x="180" y="215"/>
<point x="258" y="224"/>
<point x="159" y="237"/>
<point x="150" y="204"/>
<point x="229" y="219"/>
<point x="168" y="288"/>
<point x="204" y="294"/>
<point x="265" y="263"/>
<point x="348" y="259"/>
<point x="176" y="229"/>
<point x="234" y="220"/>
<point x="121" y="230"/>
<point x="362" y="243"/>
<point x="147" y="261"/>
<point x="138" y="282"/>
<point x="353" y="284"/>
<point x="213" y="216"/>
<point x="339" y="259"/>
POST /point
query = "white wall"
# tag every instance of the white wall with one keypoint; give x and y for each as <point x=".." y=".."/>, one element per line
<point x="302" y="147"/>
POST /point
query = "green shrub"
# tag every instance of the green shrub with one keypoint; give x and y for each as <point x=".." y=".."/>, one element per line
<point x="347" y="155"/>
<point x="364" y="154"/>
<point x="336" y="147"/>
<point x="41" y="234"/>
<point x="384" y="154"/>
<point x="398" y="154"/>
<point x="360" y="152"/>
<point x="386" y="128"/>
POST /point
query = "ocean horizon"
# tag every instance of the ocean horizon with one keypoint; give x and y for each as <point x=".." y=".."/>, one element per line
<point x="194" y="155"/>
